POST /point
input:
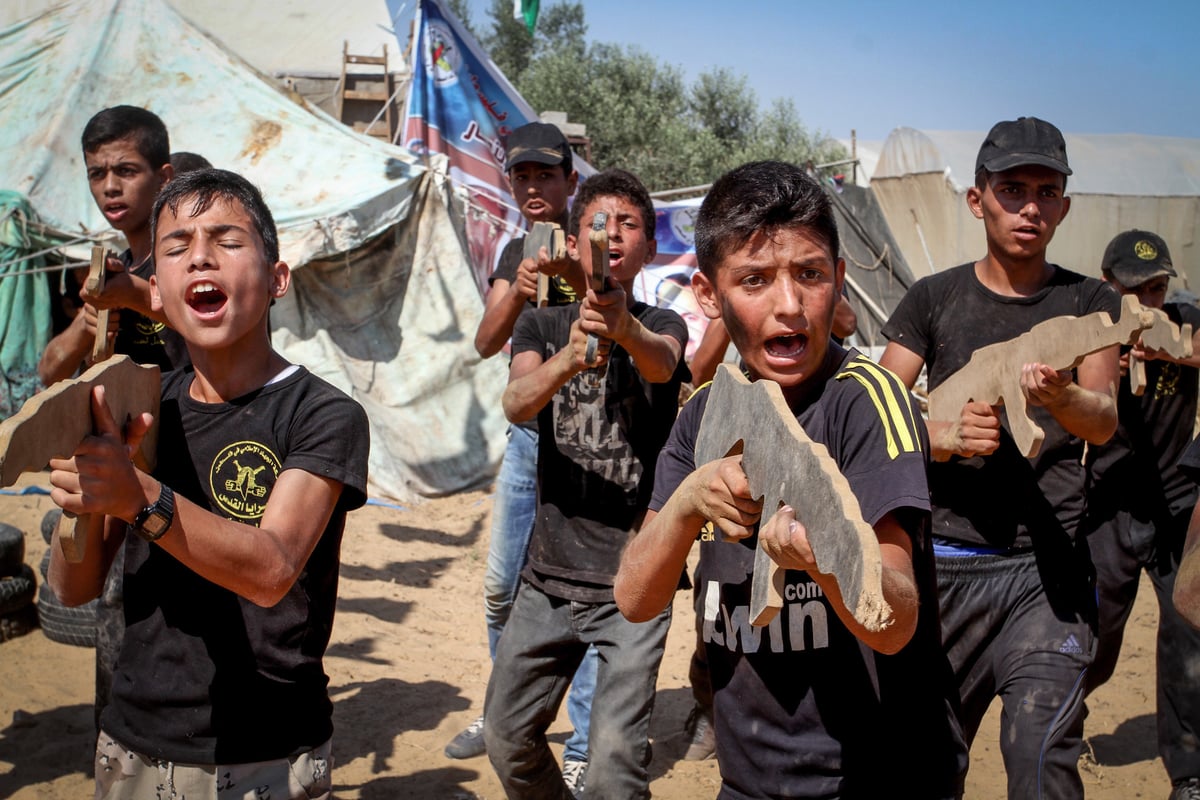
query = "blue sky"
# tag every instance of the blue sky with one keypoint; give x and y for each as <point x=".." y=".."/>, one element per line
<point x="1089" y="67"/>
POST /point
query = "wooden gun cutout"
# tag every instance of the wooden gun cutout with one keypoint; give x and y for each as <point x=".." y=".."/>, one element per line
<point x="550" y="236"/>
<point x="1163" y="334"/>
<point x="993" y="375"/>
<point x="95" y="284"/>
<point x="783" y="464"/>
<point x="598" y="241"/>
<point x="53" y="422"/>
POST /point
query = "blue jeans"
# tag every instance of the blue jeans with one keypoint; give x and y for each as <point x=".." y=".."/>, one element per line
<point x="544" y="642"/>
<point x="513" y="513"/>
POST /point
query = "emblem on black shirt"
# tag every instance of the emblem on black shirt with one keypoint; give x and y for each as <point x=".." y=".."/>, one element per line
<point x="241" y="479"/>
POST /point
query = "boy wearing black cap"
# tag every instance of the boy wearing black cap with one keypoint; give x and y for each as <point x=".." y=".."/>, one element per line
<point x="538" y="164"/>
<point x="1017" y="601"/>
<point x="1139" y="503"/>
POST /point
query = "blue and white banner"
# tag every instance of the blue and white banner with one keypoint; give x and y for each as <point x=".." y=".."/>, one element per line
<point x="667" y="282"/>
<point x="461" y="105"/>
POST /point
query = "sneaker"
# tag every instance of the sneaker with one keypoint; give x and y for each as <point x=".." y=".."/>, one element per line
<point x="469" y="743"/>
<point x="1186" y="789"/>
<point x="702" y="737"/>
<point x="574" y="773"/>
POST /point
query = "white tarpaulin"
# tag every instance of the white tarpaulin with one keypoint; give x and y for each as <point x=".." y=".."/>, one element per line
<point x="1120" y="181"/>
<point x="369" y="217"/>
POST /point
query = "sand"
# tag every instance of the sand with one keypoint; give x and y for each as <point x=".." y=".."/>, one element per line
<point x="408" y="667"/>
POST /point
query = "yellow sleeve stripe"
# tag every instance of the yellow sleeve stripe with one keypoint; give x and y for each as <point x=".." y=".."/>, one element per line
<point x="889" y="396"/>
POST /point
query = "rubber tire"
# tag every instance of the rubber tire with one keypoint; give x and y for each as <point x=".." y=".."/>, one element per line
<point x="16" y="591"/>
<point x="49" y="522"/>
<point x="74" y="626"/>
<point x="18" y="623"/>
<point x="12" y="550"/>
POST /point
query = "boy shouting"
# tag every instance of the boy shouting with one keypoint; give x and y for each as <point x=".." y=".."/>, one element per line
<point x="231" y="554"/>
<point x="812" y="705"/>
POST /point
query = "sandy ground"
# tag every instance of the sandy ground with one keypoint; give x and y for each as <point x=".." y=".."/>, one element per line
<point x="408" y="667"/>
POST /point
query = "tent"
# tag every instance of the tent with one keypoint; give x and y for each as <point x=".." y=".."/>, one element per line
<point x="1120" y="181"/>
<point x="366" y="223"/>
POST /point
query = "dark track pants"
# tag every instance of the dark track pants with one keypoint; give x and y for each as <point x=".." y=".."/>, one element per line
<point x="1008" y="635"/>
<point x="1121" y="549"/>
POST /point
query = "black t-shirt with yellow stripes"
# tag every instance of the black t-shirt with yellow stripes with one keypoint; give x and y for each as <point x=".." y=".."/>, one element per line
<point x="803" y="709"/>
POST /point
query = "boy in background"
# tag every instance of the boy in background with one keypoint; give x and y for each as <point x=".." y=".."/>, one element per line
<point x="1139" y="504"/>
<point x="231" y="545"/>
<point x="598" y="438"/>
<point x="538" y="164"/>
<point x="1015" y="582"/>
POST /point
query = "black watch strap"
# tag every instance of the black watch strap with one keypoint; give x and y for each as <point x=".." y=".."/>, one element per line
<point x="155" y="519"/>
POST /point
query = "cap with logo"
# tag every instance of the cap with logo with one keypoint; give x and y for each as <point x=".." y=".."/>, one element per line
<point x="1134" y="257"/>
<point x="1023" y="142"/>
<point x="539" y="142"/>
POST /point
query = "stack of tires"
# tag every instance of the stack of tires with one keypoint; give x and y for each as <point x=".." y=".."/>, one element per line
<point x="17" y="585"/>
<point x="75" y="626"/>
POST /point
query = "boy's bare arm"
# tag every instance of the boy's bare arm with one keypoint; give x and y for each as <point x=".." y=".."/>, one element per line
<point x="532" y="381"/>
<point x="655" y="557"/>
<point x="1085" y="406"/>
<point x="607" y="315"/>
<point x="124" y="290"/>
<point x="68" y="349"/>
<point x="258" y="563"/>
<point x="503" y="305"/>
<point x="975" y="433"/>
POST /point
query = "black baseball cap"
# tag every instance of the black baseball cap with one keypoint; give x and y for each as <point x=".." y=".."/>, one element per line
<point x="539" y="142"/>
<point x="1134" y="257"/>
<point x="1021" y="142"/>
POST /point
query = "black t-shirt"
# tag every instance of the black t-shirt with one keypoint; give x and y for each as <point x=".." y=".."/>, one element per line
<point x="597" y="447"/>
<point x="803" y="709"/>
<point x="205" y="676"/>
<point x="1136" y="470"/>
<point x="145" y="340"/>
<point x="1003" y="499"/>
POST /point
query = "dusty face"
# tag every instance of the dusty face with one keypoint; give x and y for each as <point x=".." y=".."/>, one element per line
<point x="123" y="184"/>
<point x="776" y="296"/>
<point x="212" y="277"/>
<point x="631" y="245"/>
<point x="541" y="191"/>
<point x="1020" y="208"/>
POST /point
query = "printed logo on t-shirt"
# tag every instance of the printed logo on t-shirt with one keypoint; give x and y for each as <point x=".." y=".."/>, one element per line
<point x="148" y="332"/>
<point x="1168" y="381"/>
<point x="241" y="479"/>
<point x="802" y="624"/>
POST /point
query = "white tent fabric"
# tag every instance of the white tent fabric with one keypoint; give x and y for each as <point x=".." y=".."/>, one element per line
<point x="1120" y="181"/>
<point x="294" y="37"/>
<point x="340" y="200"/>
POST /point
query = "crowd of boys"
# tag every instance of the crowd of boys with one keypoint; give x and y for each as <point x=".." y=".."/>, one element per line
<point x="1006" y="576"/>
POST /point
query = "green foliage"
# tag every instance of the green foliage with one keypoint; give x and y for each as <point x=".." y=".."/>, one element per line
<point x="640" y="113"/>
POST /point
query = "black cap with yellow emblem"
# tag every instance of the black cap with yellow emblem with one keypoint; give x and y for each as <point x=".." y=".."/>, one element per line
<point x="539" y="142"/>
<point x="1134" y="257"/>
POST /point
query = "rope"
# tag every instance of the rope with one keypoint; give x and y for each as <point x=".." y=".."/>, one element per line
<point x="869" y="267"/>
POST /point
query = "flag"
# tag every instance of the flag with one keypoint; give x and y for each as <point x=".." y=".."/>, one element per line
<point x="526" y="10"/>
<point x="461" y="105"/>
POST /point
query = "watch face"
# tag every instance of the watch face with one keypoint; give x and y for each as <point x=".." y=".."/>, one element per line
<point x="156" y="525"/>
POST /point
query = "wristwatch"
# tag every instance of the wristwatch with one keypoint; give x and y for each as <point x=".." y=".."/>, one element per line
<point x="155" y="519"/>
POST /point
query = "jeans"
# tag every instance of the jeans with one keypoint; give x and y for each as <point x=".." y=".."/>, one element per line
<point x="545" y="640"/>
<point x="513" y="513"/>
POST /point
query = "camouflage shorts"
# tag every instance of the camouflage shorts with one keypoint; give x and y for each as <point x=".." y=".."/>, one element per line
<point x="122" y="774"/>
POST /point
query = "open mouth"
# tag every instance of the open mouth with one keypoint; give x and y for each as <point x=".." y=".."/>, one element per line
<point x="786" y="346"/>
<point x="205" y="298"/>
